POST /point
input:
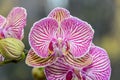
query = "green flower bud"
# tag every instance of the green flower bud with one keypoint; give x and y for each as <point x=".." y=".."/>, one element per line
<point x="38" y="74"/>
<point x="11" y="48"/>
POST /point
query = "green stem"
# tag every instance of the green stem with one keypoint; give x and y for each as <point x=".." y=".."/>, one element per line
<point x="26" y="51"/>
<point x="5" y="62"/>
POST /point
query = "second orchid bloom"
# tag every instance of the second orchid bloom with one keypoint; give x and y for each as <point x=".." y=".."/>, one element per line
<point x="11" y="34"/>
<point x="63" y="45"/>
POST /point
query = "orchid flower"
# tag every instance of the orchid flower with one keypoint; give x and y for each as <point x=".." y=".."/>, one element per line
<point x="13" y="25"/>
<point x="60" y="34"/>
<point x="99" y="69"/>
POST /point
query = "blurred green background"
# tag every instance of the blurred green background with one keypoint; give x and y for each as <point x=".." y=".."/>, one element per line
<point x="103" y="15"/>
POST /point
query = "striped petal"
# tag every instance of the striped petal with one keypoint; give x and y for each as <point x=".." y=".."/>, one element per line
<point x="79" y="35"/>
<point x="100" y="68"/>
<point x="2" y="21"/>
<point x="35" y="61"/>
<point x="78" y="62"/>
<point x="16" y="22"/>
<point x="59" y="14"/>
<point x="58" y="71"/>
<point x="41" y="34"/>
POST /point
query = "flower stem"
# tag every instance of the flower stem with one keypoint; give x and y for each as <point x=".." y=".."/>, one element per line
<point x="5" y="62"/>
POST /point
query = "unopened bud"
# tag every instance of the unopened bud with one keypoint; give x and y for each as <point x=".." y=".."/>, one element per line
<point x="38" y="74"/>
<point x="11" y="48"/>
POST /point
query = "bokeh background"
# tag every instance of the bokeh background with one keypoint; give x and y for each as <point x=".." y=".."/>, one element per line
<point x="103" y="15"/>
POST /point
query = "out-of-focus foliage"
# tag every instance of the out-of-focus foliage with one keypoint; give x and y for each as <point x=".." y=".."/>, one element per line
<point x="103" y="15"/>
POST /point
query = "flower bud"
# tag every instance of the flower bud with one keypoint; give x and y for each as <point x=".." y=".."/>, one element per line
<point x="38" y="73"/>
<point x="11" y="48"/>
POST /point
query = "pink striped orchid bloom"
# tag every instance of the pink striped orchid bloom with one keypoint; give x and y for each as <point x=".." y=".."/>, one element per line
<point x="63" y="45"/>
<point x="99" y="69"/>
<point x="13" y="25"/>
<point x="60" y="35"/>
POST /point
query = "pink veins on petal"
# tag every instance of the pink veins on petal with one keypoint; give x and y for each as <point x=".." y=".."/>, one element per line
<point x="59" y="14"/>
<point x="63" y="45"/>
<point x="100" y="68"/>
<point x="61" y="33"/>
<point x="78" y="34"/>
<point x="58" y="71"/>
<point x="13" y="25"/>
<point x="41" y="35"/>
<point x="2" y="21"/>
